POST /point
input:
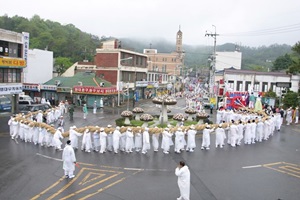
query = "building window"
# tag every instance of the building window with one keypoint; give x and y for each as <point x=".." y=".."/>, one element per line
<point x="10" y="75"/>
<point x="265" y="87"/>
<point x="248" y="86"/>
<point x="273" y="87"/>
<point x="239" y="86"/>
<point x="256" y="87"/>
<point x="231" y="84"/>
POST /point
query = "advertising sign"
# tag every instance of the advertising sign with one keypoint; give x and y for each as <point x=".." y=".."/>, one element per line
<point x="10" y="62"/>
<point x="10" y="89"/>
<point x="25" y="46"/>
<point x="95" y="90"/>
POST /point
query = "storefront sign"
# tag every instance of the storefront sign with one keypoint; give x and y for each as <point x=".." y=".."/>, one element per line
<point x="95" y="90"/>
<point x="63" y="89"/>
<point x="10" y="89"/>
<point x="49" y="87"/>
<point x="31" y="87"/>
<point x="151" y="84"/>
<point x="25" y="46"/>
<point x="11" y="62"/>
<point x="141" y="83"/>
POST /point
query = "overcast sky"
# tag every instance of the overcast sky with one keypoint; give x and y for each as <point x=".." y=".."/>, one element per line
<point x="247" y="22"/>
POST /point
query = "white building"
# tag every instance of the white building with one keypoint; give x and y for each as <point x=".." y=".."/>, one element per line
<point x="247" y="80"/>
<point x="39" y="66"/>
<point x="228" y="59"/>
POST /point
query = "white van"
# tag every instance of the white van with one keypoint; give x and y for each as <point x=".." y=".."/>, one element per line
<point x="25" y="100"/>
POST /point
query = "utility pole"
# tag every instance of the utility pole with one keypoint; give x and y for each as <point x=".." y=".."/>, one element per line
<point x="213" y="61"/>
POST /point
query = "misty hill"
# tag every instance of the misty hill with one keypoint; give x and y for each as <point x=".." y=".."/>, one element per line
<point x="69" y="41"/>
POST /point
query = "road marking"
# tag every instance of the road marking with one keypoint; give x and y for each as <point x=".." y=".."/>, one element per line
<point x="134" y="169"/>
<point x="85" y="179"/>
<point x="253" y="166"/>
<point x="60" y="160"/>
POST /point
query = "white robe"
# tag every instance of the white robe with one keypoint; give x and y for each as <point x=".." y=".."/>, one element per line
<point x="86" y="141"/>
<point x="116" y="140"/>
<point x="183" y="182"/>
<point x="73" y="136"/>
<point x="129" y="141"/>
<point x="191" y="144"/>
<point x="138" y="141"/>
<point x="109" y="142"/>
<point x="96" y="138"/>
<point x="179" y="143"/>
<point x="56" y="139"/>
<point x="241" y="128"/>
<point x="206" y="137"/>
<point x="259" y="129"/>
<point x="146" y="141"/>
<point x="155" y="141"/>
<point x="69" y="159"/>
<point x="220" y="137"/>
<point x="39" y="117"/>
<point x="234" y="134"/>
<point x="166" y="141"/>
<point x="103" y="137"/>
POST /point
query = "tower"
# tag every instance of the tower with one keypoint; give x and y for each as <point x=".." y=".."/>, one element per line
<point x="179" y="41"/>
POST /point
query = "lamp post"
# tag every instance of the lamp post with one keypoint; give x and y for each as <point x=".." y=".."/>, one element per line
<point x="118" y="78"/>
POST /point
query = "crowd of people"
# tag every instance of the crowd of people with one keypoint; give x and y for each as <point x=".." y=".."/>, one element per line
<point x="237" y="126"/>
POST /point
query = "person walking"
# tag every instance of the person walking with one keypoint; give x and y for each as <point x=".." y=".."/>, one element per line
<point x="95" y="107"/>
<point x="183" y="173"/>
<point x="85" y="111"/>
<point x="69" y="160"/>
<point x="71" y="111"/>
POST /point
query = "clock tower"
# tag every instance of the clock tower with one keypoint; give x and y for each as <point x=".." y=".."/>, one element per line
<point x="179" y="41"/>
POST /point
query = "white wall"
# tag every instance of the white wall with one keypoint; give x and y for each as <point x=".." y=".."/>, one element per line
<point x="39" y="66"/>
<point x="228" y="59"/>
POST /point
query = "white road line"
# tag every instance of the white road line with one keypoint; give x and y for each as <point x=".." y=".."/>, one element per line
<point x="49" y="157"/>
<point x="253" y="166"/>
<point x="134" y="169"/>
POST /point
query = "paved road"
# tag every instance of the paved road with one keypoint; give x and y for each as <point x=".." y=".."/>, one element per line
<point x="268" y="170"/>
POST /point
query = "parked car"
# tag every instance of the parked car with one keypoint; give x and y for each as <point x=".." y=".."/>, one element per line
<point x="34" y="108"/>
<point x="206" y="102"/>
<point x="5" y="104"/>
<point x="25" y="100"/>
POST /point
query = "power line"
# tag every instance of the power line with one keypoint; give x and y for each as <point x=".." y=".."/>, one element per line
<point x="269" y="31"/>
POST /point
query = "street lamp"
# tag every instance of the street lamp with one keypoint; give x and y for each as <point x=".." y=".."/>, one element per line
<point x="118" y="78"/>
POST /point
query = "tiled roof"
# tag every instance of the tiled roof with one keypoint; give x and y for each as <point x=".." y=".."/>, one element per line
<point x="87" y="79"/>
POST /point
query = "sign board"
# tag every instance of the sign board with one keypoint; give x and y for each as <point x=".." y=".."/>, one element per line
<point x="284" y="84"/>
<point x="169" y="86"/>
<point x="12" y="62"/>
<point x="10" y="89"/>
<point x="141" y="83"/>
<point x="49" y="87"/>
<point x="64" y="89"/>
<point x="31" y="87"/>
<point x="95" y="90"/>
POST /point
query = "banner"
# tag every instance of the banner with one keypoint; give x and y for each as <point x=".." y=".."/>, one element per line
<point x="25" y="46"/>
<point x="95" y="90"/>
<point x="11" y="62"/>
<point x="10" y="89"/>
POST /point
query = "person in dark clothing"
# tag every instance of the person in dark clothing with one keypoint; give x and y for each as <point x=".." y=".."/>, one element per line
<point x="71" y="111"/>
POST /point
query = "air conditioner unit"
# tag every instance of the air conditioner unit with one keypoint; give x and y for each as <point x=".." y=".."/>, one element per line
<point x="57" y="82"/>
<point x="79" y="83"/>
<point x="101" y="84"/>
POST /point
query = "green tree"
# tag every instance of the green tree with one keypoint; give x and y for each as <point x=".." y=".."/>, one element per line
<point x="62" y="64"/>
<point x="282" y="63"/>
<point x="290" y="99"/>
<point x="270" y="93"/>
<point x="295" y="67"/>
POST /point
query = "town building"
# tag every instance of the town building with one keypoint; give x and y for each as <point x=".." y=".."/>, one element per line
<point x="38" y="71"/>
<point x="166" y="67"/>
<point x="13" y="59"/>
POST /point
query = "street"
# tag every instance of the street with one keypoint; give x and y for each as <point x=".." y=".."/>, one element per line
<point x="269" y="170"/>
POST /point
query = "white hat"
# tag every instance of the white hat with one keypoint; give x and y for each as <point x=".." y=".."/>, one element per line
<point x="101" y="129"/>
<point x="166" y="128"/>
<point x="192" y="127"/>
<point x="108" y="126"/>
<point x="179" y="129"/>
<point x="129" y="129"/>
<point x="146" y="129"/>
<point x="207" y="126"/>
<point x="118" y="128"/>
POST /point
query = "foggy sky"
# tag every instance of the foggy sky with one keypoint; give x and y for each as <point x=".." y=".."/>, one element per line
<point x="251" y="23"/>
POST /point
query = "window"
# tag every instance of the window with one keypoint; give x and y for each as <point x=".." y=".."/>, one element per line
<point x="256" y="87"/>
<point x="273" y="87"/>
<point x="10" y="75"/>
<point x="248" y="86"/>
<point x="265" y="87"/>
<point x="239" y="86"/>
<point x="231" y="84"/>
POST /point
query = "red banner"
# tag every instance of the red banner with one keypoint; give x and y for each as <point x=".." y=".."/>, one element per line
<point x="95" y="90"/>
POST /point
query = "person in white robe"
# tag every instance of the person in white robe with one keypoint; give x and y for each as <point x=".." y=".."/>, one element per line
<point x="206" y="137"/>
<point x="259" y="129"/>
<point x="138" y="141"/>
<point x="73" y="136"/>
<point x="220" y="136"/>
<point x="103" y="138"/>
<point x="123" y="141"/>
<point x="191" y="134"/>
<point x="278" y="121"/>
<point x="39" y="117"/>
<point x="11" y="119"/>
<point x="166" y="141"/>
<point x="233" y="133"/>
<point x="253" y="131"/>
<point x="179" y="136"/>
<point x="146" y="141"/>
<point x="289" y="118"/>
<point x="247" y="139"/>
<point x="240" y="135"/>
<point x="21" y="130"/>
<point x="129" y="141"/>
<point x="15" y="128"/>
<point x="69" y="160"/>
<point x="57" y="139"/>
<point x="109" y="145"/>
<point x="42" y="136"/>
<point x="96" y="139"/>
<point x="183" y="173"/>
<point x="155" y="141"/>
<point x="26" y="132"/>
<point x="116" y="139"/>
<point x="86" y="141"/>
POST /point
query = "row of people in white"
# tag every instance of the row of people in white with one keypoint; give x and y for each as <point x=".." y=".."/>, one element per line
<point x="127" y="141"/>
